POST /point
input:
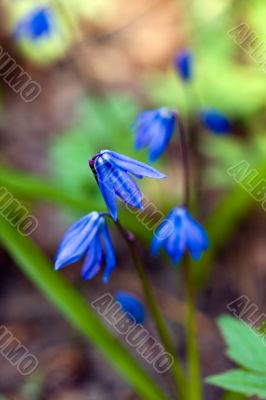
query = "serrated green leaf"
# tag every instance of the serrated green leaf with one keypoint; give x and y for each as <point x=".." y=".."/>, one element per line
<point x="240" y="381"/>
<point x="245" y="346"/>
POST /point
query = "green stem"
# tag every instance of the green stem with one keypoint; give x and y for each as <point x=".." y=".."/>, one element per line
<point x="194" y="388"/>
<point x="194" y="391"/>
<point x="176" y="369"/>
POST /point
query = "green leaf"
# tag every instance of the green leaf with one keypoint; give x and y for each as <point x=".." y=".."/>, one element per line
<point x="245" y="346"/>
<point x="76" y="310"/>
<point x="38" y="188"/>
<point x="240" y="381"/>
<point x="233" y="396"/>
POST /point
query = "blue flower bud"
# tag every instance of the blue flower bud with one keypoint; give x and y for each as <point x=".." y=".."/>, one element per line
<point x="130" y="304"/>
<point x="215" y="121"/>
<point x="183" y="65"/>
<point x="36" y="25"/>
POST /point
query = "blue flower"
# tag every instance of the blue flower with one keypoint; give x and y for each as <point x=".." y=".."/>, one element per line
<point x="188" y="235"/>
<point x="215" y="121"/>
<point x="86" y="238"/>
<point x="183" y="65"/>
<point x="153" y="129"/>
<point x="130" y="304"/>
<point x="114" y="172"/>
<point x="36" y="25"/>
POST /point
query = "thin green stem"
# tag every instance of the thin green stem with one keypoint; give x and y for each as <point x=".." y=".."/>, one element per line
<point x="176" y="369"/>
<point x="185" y="161"/>
<point x="194" y="391"/>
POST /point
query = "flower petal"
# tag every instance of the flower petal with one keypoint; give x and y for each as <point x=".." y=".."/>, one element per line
<point x="77" y="240"/>
<point x="110" y="260"/>
<point x="133" y="166"/>
<point x="161" y="138"/>
<point x="197" y="239"/>
<point x="104" y="170"/>
<point x="93" y="260"/>
<point x="146" y="124"/>
<point x="126" y="188"/>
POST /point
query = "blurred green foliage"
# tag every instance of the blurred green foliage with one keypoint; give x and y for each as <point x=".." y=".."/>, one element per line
<point x="101" y="123"/>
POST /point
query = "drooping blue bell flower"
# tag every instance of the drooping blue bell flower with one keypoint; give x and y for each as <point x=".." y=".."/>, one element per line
<point x="87" y="237"/>
<point x="183" y="65"/>
<point x="115" y="175"/>
<point x="36" y="25"/>
<point x="188" y="235"/>
<point x="153" y="129"/>
<point x="130" y="304"/>
<point x="215" y="121"/>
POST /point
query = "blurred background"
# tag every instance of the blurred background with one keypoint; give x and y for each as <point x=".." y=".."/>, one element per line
<point x="98" y="64"/>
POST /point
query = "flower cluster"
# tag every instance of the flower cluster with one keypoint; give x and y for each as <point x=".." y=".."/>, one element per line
<point x="116" y="176"/>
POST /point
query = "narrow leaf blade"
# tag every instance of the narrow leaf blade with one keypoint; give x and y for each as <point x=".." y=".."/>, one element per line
<point x="76" y="310"/>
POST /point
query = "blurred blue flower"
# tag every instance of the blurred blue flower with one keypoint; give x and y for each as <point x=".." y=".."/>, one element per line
<point x="215" y="121"/>
<point x="153" y="129"/>
<point x="130" y="304"/>
<point x="84" y="238"/>
<point x="183" y="65"/>
<point x="112" y="171"/>
<point x="35" y="25"/>
<point x="188" y="235"/>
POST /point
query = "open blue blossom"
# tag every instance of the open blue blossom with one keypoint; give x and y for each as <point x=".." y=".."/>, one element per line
<point x="35" y="25"/>
<point x="188" y="235"/>
<point x="183" y="65"/>
<point x="153" y="129"/>
<point x="113" y="172"/>
<point x="215" y="121"/>
<point x="130" y="304"/>
<point x="86" y="238"/>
